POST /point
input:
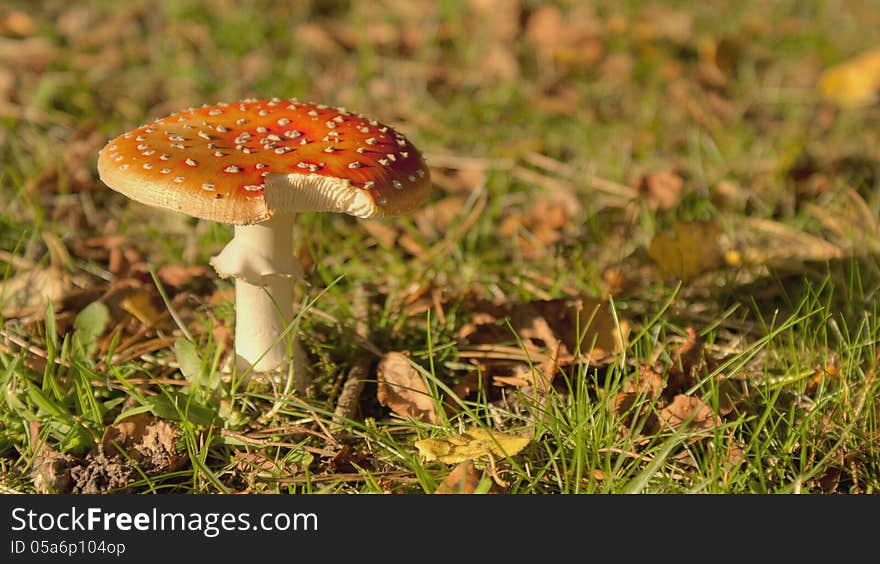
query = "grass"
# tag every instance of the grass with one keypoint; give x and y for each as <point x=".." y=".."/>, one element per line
<point x="579" y="116"/>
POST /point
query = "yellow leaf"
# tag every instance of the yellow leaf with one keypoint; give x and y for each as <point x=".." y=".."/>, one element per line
<point x="690" y="249"/>
<point x="140" y="306"/>
<point x="474" y="443"/>
<point x="854" y="82"/>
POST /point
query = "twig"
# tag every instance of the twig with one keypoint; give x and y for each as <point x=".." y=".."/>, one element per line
<point x="348" y="403"/>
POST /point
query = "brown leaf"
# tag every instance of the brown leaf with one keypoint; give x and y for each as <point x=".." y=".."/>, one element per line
<point x="541" y="225"/>
<point x="662" y="189"/>
<point x="17" y="23"/>
<point x="383" y="232"/>
<point x="570" y="38"/>
<point x="463" y="479"/>
<point x="689" y="411"/>
<point x="686" y="362"/>
<point x="645" y="387"/>
<point x="402" y="389"/>
<point x="179" y="275"/>
<point x="435" y="220"/>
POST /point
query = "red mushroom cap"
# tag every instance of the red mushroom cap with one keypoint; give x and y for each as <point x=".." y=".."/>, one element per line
<point x="243" y="162"/>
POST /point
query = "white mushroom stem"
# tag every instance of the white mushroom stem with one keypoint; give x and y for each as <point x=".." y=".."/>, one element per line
<point x="261" y="259"/>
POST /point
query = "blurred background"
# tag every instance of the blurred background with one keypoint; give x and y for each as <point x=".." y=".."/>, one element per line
<point x="721" y="151"/>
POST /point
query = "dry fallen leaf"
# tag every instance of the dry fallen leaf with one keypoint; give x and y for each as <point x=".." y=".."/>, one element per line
<point x="473" y="443"/>
<point x="141" y="307"/>
<point x="854" y="82"/>
<point x="690" y="411"/>
<point x="29" y="292"/>
<point x="645" y="388"/>
<point x="687" y="360"/>
<point x="463" y="479"/>
<point x="690" y="249"/>
<point x="538" y="229"/>
<point x="662" y="189"/>
<point x="572" y="38"/>
<point x="402" y="389"/>
<point x="179" y="275"/>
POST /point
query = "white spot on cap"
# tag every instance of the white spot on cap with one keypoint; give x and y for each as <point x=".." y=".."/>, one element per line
<point x="207" y="187"/>
<point x="191" y="162"/>
<point x="123" y="167"/>
<point x="178" y="179"/>
<point x="397" y="185"/>
<point x="262" y="129"/>
<point x="370" y="141"/>
<point x="329" y="149"/>
<point x="215" y="112"/>
<point x="391" y="157"/>
<point x="165" y="171"/>
<point x="240" y="121"/>
<point x="404" y="154"/>
<point x="383" y="162"/>
<point x="261" y="165"/>
<point x="421" y="173"/>
<point x="142" y="147"/>
<point x="292" y="133"/>
<point x="219" y="154"/>
<point x="354" y="164"/>
<point x="283" y="121"/>
<point x="369" y="184"/>
<point x="148" y="166"/>
<point x="203" y="134"/>
<point x="221" y="129"/>
<point x="164" y="156"/>
<point x="253" y="187"/>
<point x="232" y="168"/>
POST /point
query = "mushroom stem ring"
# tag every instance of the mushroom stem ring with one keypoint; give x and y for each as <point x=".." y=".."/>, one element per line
<point x="261" y="259"/>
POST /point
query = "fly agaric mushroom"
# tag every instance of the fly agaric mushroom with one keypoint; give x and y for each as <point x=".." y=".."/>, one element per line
<point x="255" y="164"/>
